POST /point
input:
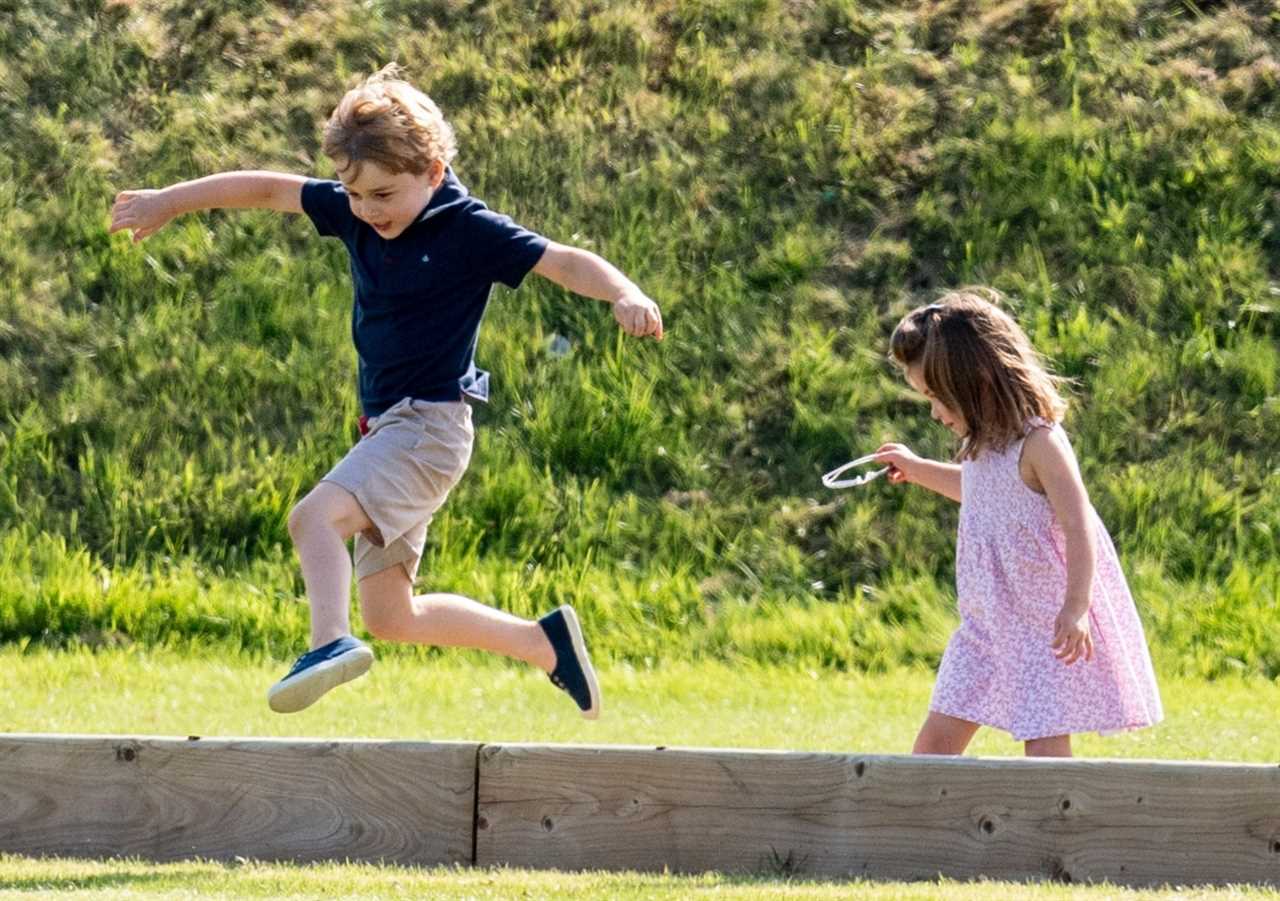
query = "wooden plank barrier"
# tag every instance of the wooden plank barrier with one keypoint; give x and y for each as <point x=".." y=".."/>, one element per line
<point x="169" y="799"/>
<point x="1138" y="823"/>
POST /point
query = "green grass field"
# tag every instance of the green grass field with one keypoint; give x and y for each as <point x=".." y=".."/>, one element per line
<point x="704" y="705"/>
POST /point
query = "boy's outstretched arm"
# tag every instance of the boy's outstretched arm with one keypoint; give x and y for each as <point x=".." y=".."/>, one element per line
<point x="145" y="211"/>
<point x="585" y="273"/>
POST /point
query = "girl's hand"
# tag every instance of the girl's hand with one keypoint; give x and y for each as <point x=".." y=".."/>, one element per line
<point x="1071" y="637"/>
<point x="902" y="462"/>
<point x="142" y="211"/>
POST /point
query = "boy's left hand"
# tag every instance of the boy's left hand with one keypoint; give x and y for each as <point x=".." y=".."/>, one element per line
<point x="638" y="315"/>
<point x="1071" y="637"/>
<point x="143" y="212"/>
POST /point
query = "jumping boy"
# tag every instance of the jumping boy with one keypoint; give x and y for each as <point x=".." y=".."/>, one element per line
<point x="424" y="256"/>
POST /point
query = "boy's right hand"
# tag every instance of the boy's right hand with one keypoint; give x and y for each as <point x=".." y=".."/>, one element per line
<point x="143" y="211"/>
<point x="901" y="459"/>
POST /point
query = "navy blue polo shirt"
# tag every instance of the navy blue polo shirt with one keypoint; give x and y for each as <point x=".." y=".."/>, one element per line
<point x="419" y="297"/>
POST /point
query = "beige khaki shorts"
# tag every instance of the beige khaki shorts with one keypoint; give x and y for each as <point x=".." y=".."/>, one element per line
<point x="401" y="472"/>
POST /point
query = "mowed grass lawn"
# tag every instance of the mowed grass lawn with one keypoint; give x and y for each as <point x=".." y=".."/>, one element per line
<point x="459" y="696"/>
<point x="464" y="697"/>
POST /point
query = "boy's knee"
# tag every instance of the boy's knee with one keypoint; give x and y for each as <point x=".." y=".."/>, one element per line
<point x="317" y="509"/>
<point x="303" y="516"/>
<point x="386" y="603"/>
<point x="382" y="622"/>
<point x="330" y="506"/>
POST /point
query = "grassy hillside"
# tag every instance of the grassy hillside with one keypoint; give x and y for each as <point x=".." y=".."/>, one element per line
<point x="785" y="178"/>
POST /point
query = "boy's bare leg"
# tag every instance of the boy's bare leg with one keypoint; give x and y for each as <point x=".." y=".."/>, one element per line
<point x="320" y="525"/>
<point x="1053" y="746"/>
<point x="392" y="612"/>
<point x="942" y="734"/>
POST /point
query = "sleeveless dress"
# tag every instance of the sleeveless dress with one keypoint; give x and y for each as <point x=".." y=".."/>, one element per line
<point x="1011" y="579"/>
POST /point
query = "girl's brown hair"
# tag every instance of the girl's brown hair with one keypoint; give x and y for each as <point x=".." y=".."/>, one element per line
<point x="386" y="120"/>
<point x="976" y="360"/>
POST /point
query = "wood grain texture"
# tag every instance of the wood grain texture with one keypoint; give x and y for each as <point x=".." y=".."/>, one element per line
<point x="169" y="799"/>
<point x="887" y="817"/>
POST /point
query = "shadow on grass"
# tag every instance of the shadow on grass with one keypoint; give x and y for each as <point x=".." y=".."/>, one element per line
<point x="128" y="879"/>
<point x="135" y="873"/>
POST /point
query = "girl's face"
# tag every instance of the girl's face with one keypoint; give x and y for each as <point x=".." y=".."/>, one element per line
<point x="940" y="411"/>
<point x="390" y="202"/>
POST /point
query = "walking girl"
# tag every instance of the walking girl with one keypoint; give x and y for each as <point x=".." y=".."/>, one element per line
<point x="1049" y="642"/>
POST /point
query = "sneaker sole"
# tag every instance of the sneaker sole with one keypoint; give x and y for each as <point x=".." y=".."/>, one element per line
<point x="584" y="661"/>
<point x="304" y="689"/>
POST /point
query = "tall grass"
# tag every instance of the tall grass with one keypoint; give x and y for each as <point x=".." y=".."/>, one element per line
<point x="785" y="179"/>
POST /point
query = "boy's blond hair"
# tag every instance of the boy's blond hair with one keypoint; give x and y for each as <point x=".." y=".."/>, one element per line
<point x="978" y="362"/>
<point x="386" y="120"/>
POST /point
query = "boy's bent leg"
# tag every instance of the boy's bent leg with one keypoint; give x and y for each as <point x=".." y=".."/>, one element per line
<point x="393" y="613"/>
<point x="942" y="734"/>
<point x="320" y="524"/>
<point x="554" y="643"/>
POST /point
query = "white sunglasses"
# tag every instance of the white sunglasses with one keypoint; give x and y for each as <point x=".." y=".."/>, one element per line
<point x="833" y="480"/>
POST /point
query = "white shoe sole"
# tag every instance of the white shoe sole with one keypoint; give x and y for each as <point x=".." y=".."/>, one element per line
<point x="301" y="691"/>
<point x="584" y="660"/>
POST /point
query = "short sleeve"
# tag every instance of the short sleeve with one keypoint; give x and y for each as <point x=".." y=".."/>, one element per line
<point x="501" y="249"/>
<point x="327" y="206"/>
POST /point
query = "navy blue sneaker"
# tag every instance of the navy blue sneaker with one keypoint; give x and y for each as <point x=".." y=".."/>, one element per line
<point x="315" y="672"/>
<point x="573" y="673"/>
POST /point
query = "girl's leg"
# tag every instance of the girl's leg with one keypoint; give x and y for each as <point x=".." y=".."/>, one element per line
<point x="320" y="525"/>
<point x="1053" y="746"/>
<point x="942" y="734"/>
<point x="392" y="612"/>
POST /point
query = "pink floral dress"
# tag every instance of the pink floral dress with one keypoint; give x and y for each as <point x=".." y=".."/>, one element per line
<point x="1011" y="578"/>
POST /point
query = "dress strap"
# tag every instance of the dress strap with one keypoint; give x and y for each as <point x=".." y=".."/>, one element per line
<point x="1036" y="422"/>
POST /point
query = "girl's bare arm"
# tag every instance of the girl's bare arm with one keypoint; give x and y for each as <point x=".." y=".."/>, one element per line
<point x="1053" y="464"/>
<point x="944" y="478"/>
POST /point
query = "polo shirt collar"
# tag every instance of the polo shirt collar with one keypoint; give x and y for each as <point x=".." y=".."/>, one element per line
<point x="450" y="194"/>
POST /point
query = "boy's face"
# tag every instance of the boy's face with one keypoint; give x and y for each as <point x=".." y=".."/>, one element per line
<point x="388" y="201"/>
<point x="937" y="409"/>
